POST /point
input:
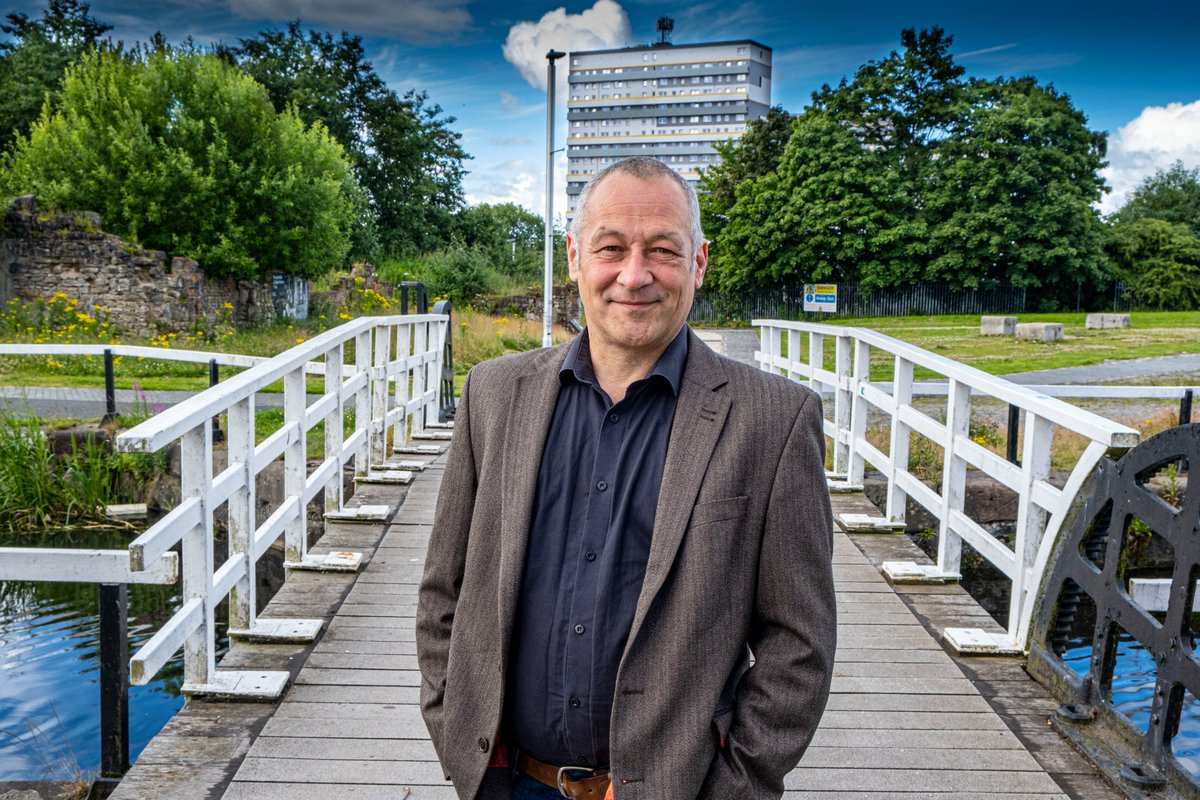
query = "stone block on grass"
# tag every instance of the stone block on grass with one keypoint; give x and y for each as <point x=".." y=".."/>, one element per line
<point x="997" y="326"/>
<point x="1099" y="322"/>
<point x="1040" y="331"/>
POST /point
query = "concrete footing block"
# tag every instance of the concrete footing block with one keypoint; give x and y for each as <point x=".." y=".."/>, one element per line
<point x="910" y="572"/>
<point x="867" y="523"/>
<point x="1040" y="331"/>
<point x="240" y="685"/>
<point x="978" y="642"/>
<point x="997" y="326"/>
<point x="277" y="630"/>
<point x="338" y="561"/>
<point x="1099" y="322"/>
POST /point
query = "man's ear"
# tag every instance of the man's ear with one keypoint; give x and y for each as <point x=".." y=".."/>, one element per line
<point x="572" y="266"/>
<point x="701" y="263"/>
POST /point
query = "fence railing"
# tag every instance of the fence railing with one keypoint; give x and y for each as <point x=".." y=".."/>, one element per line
<point x="392" y="386"/>
<point x="798" y="351"/>
<point x="787" y="302"/>
<point x="385" y="372"/>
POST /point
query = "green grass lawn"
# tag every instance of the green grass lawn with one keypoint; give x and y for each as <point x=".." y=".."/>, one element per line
<point x="958" y="338"/>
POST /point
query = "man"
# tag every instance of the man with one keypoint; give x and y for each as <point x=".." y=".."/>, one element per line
<point x="623" y="521"/>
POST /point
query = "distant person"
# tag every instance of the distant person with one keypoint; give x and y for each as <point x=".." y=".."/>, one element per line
<point x="623" y="521"/>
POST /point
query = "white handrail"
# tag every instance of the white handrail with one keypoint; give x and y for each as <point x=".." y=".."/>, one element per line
<point x="404" y="352"/>
<point x="1042" y="507"/>
<point x="399" y="351"/>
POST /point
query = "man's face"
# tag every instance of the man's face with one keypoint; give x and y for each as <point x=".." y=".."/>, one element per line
<point x="634" y="265"/>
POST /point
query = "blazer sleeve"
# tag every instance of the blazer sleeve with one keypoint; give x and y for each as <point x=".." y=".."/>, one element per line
<point x="780" y="699"/>
<point x="445" y="562"/>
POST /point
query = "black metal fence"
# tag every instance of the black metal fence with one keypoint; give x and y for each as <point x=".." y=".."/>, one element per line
<point x="922" y="299"/>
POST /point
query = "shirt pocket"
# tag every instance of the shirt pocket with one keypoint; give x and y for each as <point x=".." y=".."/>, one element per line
<point x="723" y="510"/>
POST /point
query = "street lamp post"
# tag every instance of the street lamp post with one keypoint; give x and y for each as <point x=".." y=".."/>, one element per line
<point x="548" y="287"/>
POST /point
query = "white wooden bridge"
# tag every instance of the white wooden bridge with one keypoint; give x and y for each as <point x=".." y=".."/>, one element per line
<point x="929" y="695"/>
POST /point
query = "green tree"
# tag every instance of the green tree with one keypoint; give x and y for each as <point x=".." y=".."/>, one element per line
<point x="1011" y="198"/>
<point x="1160" y="260"/>
<point x="1171" y="194"/>
<point x="33" y="62"/>
<point x="509" y="237"/>
<point x="829" y="212"/>
<point x="181" y="152"/>
<point x="910" y="172"/>
<point x="755" y="154"/>
<point x="405" y="154"/>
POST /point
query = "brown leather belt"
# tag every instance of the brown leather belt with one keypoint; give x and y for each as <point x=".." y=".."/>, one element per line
<point x="592" y="787"/>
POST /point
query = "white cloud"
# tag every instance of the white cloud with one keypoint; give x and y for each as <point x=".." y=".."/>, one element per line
<point x="509" y="102"/>
<point x="1154" y="140"/>
<point x="417" y="21"/>
<point x="519" y="181"/>
<point x="602" y="26"/>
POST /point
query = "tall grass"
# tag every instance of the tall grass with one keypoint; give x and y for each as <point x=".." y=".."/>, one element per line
<point x="41" y="490"/>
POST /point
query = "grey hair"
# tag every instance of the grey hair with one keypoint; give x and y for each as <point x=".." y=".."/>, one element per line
<point x="645" y="168"/>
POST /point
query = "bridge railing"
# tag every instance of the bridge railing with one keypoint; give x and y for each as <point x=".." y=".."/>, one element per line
<point x="797" y="350"/>
<point x="387" y="370"/>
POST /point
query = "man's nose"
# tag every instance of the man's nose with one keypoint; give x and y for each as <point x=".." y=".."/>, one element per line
<point x="636" y="272"/>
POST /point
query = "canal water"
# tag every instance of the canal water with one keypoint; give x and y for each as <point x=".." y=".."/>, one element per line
<point x="50" y="672"/>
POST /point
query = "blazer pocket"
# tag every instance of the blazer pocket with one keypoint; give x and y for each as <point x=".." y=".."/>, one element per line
<point x="718" y="510"/>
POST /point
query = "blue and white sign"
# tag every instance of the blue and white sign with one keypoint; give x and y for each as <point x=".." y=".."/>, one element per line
<point x="820" y="297"/>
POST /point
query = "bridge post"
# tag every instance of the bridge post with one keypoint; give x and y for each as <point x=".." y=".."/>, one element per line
<point x="243" y="595"/>
<point x="114" y="679"/>
<point x="110" y="388"/>
<point x="404" y="350"/>
<point x="379" y="386"/>
<point x="362" y="403"/>
<point x="858" y="413"/>
<point x="333" y="427"/>
<point x="295" y="465"/>
<point x="199" y="660"/>
<point x="902" y="393"/>
<point x="954" y="476"/>
<point x="420" y="335"/>
<point x="816" y="359"/>
<point x="1014" y="426"/>
<point x="842" y="404"/>
<point x="1031" y="518"/>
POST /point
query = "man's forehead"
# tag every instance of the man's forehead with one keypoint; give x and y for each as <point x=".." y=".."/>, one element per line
<point x="621" y="203"/>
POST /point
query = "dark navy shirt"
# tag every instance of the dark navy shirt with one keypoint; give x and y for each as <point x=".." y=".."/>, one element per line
<point x="593" y="518"/>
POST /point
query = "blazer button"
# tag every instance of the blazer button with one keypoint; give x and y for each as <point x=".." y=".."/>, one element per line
<point x="483" y="745"/>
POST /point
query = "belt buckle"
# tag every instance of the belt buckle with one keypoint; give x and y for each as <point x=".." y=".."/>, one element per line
<point x="563" y="789"/>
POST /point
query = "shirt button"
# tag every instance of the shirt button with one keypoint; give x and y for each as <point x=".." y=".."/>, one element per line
<point x="614" y="418"/>
<point x="576" y="702"/>
<point x="579" y="629"/>
<point x="483" y="745"/>
<point x="581" y="759"/>
<point x="602" y="485"/>
<point x="589" y="555"/>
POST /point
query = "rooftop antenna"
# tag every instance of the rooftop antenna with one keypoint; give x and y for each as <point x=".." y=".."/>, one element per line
<point x="665" y="26"/>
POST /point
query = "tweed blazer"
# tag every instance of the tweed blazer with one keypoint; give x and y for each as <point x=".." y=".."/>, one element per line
<point x="740" y="560"/>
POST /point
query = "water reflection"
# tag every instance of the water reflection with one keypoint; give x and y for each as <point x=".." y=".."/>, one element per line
<point x="50" y="672"/>
<point x="1133" y="695"/>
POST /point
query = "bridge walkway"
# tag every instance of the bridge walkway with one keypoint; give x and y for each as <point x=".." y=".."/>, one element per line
<point x="905" y="718"/>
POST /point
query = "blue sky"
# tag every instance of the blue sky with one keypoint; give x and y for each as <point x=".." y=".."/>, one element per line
<point x="1132" y="68"/>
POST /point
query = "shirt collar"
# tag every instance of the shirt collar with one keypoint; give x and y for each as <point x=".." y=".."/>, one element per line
<point x="669" y="367"/>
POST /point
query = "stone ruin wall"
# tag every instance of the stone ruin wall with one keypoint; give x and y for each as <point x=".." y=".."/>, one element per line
<point x="529" y="306"/>
<point x="43" y="253"/>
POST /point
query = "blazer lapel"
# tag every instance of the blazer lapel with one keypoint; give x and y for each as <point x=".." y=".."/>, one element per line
<point x="700" y="414"/>
<point x="535" y="393"/>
